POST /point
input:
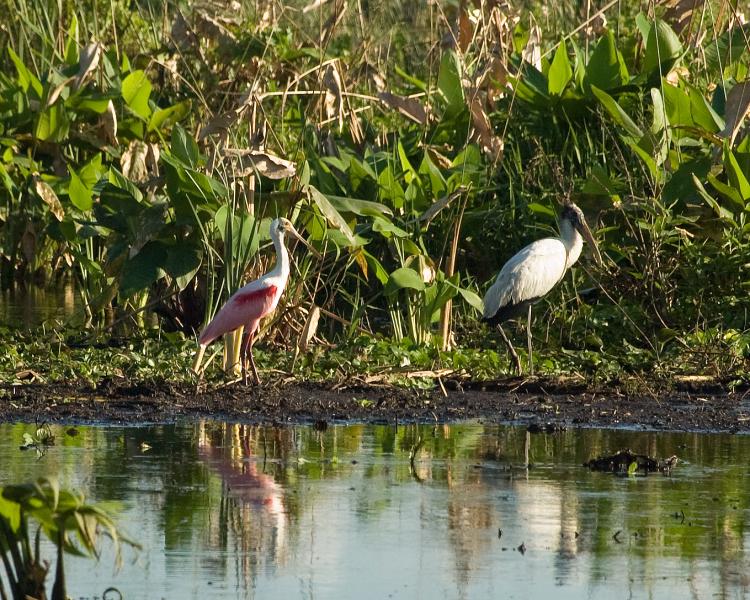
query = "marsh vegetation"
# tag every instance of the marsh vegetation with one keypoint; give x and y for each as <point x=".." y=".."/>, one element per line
<point x="145" y="146"/>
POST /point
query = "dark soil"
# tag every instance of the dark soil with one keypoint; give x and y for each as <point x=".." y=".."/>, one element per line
<point x="543" y="405"/>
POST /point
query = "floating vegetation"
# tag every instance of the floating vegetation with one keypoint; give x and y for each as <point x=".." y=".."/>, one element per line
<point x="626" y="462"/>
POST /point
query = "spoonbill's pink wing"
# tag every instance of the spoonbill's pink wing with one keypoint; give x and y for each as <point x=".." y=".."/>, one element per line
<point x="245" y="306"/>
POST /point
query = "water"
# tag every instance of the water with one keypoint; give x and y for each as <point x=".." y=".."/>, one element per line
<point x="232" y="511"/>
<point x="31" y="306"/>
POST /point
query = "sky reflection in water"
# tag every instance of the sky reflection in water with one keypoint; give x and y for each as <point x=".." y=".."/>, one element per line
<point x="232" y="511"/>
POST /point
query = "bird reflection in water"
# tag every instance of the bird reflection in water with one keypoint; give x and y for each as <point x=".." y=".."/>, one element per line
<point x="253" y="519"/>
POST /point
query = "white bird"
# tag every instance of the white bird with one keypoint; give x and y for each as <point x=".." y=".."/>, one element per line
<point x="533" y="272"/>
<point x="251" y="303"/>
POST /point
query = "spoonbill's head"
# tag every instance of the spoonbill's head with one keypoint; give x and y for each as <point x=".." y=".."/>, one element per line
<point x="281" y="226"/>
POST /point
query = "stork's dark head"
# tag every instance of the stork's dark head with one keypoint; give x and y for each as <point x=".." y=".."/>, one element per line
<point x="574" y="216"/>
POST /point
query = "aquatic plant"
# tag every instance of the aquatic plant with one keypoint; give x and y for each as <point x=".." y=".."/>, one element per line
<point x="63" y="516"/>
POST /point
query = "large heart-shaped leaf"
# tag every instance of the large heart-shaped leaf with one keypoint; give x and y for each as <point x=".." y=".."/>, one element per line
<point x="140" y="271"/>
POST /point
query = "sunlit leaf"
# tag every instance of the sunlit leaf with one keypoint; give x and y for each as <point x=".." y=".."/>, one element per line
<point x="331" y="214"/>
<point x="136" y="90"/>
<point x="616" y="112"/>
<point x="449" y="83"/>
<point x="79" y="194"/>
<point x="166" y="117"/>
<point x="606" y="68"/>
<point x="663" y="48"/>
<point x="404" y="278"/>
<point x="560" y="72"/>
<point x="25" y="77"/>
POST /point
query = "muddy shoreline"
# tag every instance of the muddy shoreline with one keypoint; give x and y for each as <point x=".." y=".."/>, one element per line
<point x="542" y="404"/>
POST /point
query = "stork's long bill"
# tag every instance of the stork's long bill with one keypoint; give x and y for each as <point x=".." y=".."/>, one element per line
<point x="584" y="230"/>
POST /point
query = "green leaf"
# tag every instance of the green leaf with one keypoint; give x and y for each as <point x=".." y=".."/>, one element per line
<point x="363" y="208"/>
<point x="417" y="83"/>
<point x="136" y="90"/>
<point x="91" y="172"/>
<point x="704" y="116"/>
<point x="560" y="72"/>
<point x="389" y="189"/>
<point x="92" y="101"/>
<point x="727" y="191"/>
<point x="10" y="511"/>
<point x="140" y="271"/>
<point x="183" y="262"/>
<point x="541" y="209"/>
<point x="663" y="48"/>
<point x="434" y="175"/>
<point x="71" y="44"/>
<point x="531" y="86"/>
<point x="25" y="77"/>
<point x="616" y="112"/>
<point x="375" y="266"/>
<point x="632" y="468"/>
<point x="720" y="211"/>
<point x="184" y="147"/>
<point x="331" y="214"/>
<point x="736" y="177"/>
<point x="165" y="117"/>
<point x="404" y="278"/>
<point x="449" y="83"/>
<point x="119" y="180"/>
<point x="472" y="299"/>
<point x="726" y="50"/>
<point x="53" y="124"/>
<point x="606" y="68"/>
<point x="79" y="194"/>
<point x="388" y="228"/>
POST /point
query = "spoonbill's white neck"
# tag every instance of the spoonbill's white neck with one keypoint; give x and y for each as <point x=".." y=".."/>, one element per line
<point x="282" y="255"/>
<point x="572" y="241"/>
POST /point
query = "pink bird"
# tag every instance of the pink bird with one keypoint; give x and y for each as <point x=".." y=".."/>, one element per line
<point x="251" y="303"/>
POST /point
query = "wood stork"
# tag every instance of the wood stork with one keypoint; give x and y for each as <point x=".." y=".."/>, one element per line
<point x="533" y="272"/>
<point x="251" y="303"/>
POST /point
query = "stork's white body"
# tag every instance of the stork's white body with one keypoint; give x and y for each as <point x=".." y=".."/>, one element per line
<point x="533" y="271"/>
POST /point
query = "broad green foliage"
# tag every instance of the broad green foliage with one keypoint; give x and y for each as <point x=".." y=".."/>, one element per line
<point x="150" y="169"/>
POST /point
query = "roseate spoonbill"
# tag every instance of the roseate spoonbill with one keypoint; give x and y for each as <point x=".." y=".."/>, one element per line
<point x="533" y="272"/>
<point x="251" y="303"/>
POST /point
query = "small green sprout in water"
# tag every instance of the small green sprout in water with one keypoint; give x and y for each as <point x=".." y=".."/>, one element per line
<point x="40" y="441"/>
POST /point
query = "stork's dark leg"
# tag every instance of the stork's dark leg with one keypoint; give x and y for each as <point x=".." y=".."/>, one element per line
<point x="511" y="349"/>
<point x="528" y="340"/>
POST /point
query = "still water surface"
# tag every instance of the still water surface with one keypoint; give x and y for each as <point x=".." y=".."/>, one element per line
<point x="236" y="511"/>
